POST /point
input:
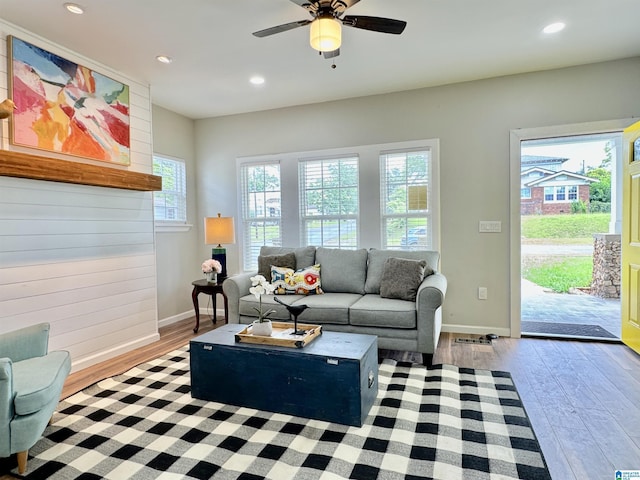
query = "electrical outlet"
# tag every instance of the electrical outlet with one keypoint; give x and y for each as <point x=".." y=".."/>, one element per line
<point x="482" y="293"/>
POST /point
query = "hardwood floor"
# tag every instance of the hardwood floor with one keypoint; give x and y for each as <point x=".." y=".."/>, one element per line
<point x="583" y="398"/>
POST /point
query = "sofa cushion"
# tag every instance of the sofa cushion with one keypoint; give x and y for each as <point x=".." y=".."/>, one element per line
<point x="374" y="311"/>
<point x="249" y="304"/>
<point x="376" y="259"/>
<point x="288" y="281"/>
<point x="328" y="308"/>
<point x="38" y="381"/>
<point x="401" y="278"/>
<point x="265" y="262"/>
<point x="342" y="270"/>
<point x="305" y="256"/>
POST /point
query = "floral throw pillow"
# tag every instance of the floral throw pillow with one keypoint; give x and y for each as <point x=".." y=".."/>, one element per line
<point x="288" y="281"/>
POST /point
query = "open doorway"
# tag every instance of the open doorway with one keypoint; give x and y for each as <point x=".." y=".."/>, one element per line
<point x="570" y="236"/>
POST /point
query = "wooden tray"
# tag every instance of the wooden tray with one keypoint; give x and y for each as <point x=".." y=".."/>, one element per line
<point x="282" y="335"/>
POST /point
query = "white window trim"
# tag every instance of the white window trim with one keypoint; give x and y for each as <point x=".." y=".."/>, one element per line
<point x="426" y="214"/>
<point x="369" y="232"/>
<point x="322" y="218"/>
<point x="240" y="227"/>
<point x="174" y="226"/>
<point x="555" y="194"/>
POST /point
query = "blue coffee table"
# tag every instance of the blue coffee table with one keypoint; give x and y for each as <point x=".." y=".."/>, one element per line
<point x="334" y="378"/>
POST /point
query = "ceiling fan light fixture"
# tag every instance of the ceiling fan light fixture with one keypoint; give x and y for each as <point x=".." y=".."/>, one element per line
<point x="326" y="34"/>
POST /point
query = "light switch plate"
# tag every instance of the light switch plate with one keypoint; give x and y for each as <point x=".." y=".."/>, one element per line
<point x="490" y="226"/>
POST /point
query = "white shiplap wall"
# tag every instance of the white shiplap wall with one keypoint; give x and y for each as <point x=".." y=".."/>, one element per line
<point x="79" y="257"/>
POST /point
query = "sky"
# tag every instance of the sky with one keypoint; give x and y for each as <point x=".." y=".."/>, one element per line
<point x="592" y="153"/>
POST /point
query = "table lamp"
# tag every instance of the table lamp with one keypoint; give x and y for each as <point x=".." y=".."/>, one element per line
<point x="219" y="230"/>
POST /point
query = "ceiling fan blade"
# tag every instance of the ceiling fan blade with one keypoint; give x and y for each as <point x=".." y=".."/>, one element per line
<point x="281" y="28"/>
<point x="376" y="24"/>
<point x="332" y="54"/>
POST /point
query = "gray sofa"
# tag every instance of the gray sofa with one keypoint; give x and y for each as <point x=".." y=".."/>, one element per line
<point x="351" y="301"/>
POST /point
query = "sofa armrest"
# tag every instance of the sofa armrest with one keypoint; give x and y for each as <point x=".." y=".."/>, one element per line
<point x="431" y="292"/>
<point x="6" y="403"/>
<point x="235" y="288"/>
<point x="429" y="300"/>
<point x="25" y="343"/>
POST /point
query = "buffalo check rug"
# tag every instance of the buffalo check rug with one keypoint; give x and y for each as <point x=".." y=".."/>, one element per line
<point x="444" y="423"/>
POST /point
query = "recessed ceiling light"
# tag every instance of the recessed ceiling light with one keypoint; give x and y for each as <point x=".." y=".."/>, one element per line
<point x="74" y="8"/>
<point x="257" y="80"/>
<point x="164" y="59"/>
<point x="554" y="27"/>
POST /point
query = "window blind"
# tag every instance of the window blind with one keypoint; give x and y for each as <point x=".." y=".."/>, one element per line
<point x="261" y="209"/>
<point x="329" y="204"/>
<point x="405" y="199"/>
<point x="170" y="205"/>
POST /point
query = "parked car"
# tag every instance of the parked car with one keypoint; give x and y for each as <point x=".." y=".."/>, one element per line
<point x="415" y="236"/>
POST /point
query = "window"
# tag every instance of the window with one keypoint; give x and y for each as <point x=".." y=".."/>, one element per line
<point x="329" y="202"/>
<point x="405" y="199"/>
<point x="525" y="192"/>
<point x="549" y="194"/>
<point x="261" y="209"/>
<point x="170" y="205"/>
<point x="559" y="194"/>
<point x="332" y="198"/>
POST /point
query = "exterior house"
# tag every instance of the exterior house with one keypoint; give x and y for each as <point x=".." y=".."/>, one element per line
<point x="554" y="164"/>
<point x="544" y="192"/>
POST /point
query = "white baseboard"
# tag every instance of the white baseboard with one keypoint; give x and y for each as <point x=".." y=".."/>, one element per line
<point x="104" y="355"/>
<point x="175" y="318"/>
<point x="475" y="330"/>
<point x="204" y="313"/>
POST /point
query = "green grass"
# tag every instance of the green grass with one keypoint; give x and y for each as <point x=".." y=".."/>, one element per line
<point x="562" y="274"/>
<point x="575" y="226"/>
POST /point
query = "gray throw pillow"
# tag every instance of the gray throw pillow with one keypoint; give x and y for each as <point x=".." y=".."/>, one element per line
<point x="401" y="278"/>
<point x="266" y="261"/>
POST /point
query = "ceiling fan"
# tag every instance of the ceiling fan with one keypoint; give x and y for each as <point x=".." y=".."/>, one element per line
<point x="326" y="33"/>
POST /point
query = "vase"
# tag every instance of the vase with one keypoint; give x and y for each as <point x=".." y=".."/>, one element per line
<point x="212" y="277"/>
<point x="263" y="329"/>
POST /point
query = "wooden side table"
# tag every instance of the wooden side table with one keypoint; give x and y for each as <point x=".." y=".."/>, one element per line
<point x="202" y="286"/>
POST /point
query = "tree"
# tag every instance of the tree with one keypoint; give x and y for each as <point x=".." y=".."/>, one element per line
<point x="600" y="191"/>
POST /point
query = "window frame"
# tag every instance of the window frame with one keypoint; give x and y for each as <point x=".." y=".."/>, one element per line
<point x="305" y="217"/>
<point x="180" y="224"/>
<point x="408" y="216"/>
<point x="369" y="224"/>
<point x="561" y="190"/>
<point x="248" y="256"/>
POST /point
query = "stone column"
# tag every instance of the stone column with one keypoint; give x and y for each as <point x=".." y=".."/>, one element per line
<point x="607" y="250"/>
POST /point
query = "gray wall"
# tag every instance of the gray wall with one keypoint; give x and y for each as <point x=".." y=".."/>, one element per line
<point x="177" y="257"/>
<point x="473" y="122"/>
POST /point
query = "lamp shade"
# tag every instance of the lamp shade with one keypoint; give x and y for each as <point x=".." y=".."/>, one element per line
<point x="326" y="34"/>
<point x="219" y="230"/>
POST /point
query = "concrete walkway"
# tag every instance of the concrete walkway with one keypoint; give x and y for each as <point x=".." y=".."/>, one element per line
<point x="540" y="305"/>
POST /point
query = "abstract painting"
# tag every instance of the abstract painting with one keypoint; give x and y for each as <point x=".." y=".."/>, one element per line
<point x="66" y="108"/>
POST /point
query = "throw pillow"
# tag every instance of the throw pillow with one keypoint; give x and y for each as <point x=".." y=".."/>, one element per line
<point x="343" y="271"/>
<point x="266" y="261"/>
<point x="305" y="281"/>
<point x="401" y="278"/>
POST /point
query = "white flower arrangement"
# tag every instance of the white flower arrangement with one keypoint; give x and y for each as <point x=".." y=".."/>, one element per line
<point x="211" y="265"/>
<point x="260" y="287"/>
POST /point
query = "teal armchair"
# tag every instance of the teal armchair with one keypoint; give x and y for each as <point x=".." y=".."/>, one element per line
<point x="31" y="381"/>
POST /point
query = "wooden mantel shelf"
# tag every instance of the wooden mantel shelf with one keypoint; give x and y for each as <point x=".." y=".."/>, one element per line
<point x="35" y="167"/>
